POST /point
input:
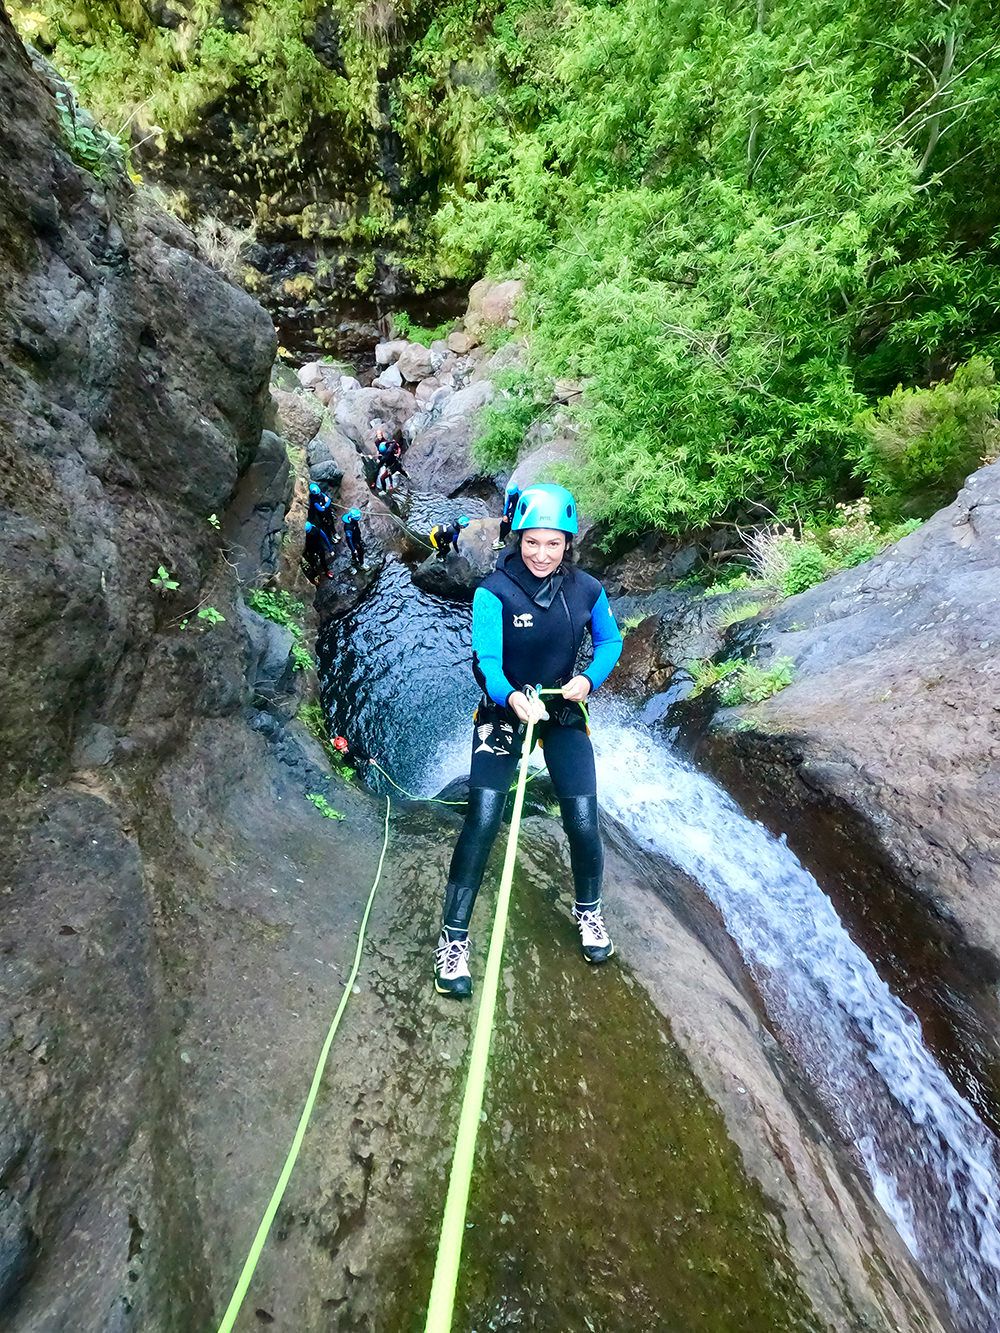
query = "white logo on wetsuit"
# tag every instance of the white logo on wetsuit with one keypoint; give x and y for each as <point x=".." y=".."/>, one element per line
<point x="524" y="621"/>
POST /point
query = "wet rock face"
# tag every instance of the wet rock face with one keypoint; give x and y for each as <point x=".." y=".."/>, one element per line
<point x="890" y="734"/>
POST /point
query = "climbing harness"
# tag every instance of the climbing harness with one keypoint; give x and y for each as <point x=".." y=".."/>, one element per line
<point x="259" y="1240"/>
<point x="449" y="1252"/>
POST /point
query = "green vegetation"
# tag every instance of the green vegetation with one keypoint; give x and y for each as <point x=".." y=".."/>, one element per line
<point x="763" y="236"/>
<point x="743" y="227"/>
<point x="285" y="610"/>
<point x="404" y="327"/>
<point x="505" y="421"/>
<point x="90" y="146"/>
<point x="736" y="682"/>
<point x="323" y="805"/>
<point x="920" y="444"/>
<point x="211" y="616"/>
<point x="732" y="615"/>
<point x="752" y="684"/>
<point x="162" y="580"/>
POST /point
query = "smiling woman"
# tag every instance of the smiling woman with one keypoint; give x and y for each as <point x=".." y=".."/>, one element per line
<point x="528" y="622"/>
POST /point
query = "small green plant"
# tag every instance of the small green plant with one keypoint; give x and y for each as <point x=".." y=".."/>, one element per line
<point x="706" y="675"/>
<point x="806" y="565"/>
<point x="211" y="616"/>
<point x="214" y="520"/>
<point x="276" y="605"/>
<point x="302" y="658"/>
<point x="162" y="581"/>
<point x="630" y="623"/>
<point x="90" y="146"/>
<point x="752" y="684"/>
<point x="732" y="615"/>
<point x="323" y="805"/>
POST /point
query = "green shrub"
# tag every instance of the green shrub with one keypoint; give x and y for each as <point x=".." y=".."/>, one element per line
<point x="806" y="565"/>
<point x="921" y="444"/>
<point x="505" y="421"/>
<point x="404" y="326"/>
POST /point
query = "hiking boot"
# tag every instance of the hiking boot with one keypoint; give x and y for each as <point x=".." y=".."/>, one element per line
<point x="594" y="939"/>
<point x="451" y="968"/>
<point x="498" y="545"/>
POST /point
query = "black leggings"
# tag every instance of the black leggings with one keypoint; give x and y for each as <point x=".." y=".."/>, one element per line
<point x="569" y="757"/>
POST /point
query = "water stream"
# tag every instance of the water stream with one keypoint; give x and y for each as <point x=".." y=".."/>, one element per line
<point x="399" y="686"/>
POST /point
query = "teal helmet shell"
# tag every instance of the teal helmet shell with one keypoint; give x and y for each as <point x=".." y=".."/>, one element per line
<point x="313" y="488"/>
<point x="354" y="513"/>
<point x="546" y="506"/>
<point x="309" y="527"/>
<point x="463" y="522"/>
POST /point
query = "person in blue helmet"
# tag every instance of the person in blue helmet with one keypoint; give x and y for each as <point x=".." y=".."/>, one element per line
<point x="444" y="536"/>
<point x="510" y="499"/>
<point x="317" y="555"/>
<point x="529" y="618"/>
<point x="352" y="535"/>
<point x="321" y="509"/>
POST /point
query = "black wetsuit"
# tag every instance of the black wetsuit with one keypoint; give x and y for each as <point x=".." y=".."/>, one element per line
<point x="444" y="538"/>
<point x="317" y="555"/>
<point x="352" y="535"/>
<point x="528" y="631"/>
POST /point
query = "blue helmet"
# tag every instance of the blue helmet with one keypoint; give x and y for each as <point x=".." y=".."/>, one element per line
<point x="314" y="488"/>
<point x="310" y="526"/>
<point x="546" y="506"/>
<point x="463" y="522"/>
<point x="353" y="513"/>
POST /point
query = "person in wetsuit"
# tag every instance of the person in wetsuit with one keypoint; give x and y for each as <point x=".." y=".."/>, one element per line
<point x="352" y="535"/>
<point x="510" y="499"/>
<point x="317" y="555"/>
<point x="528" y="621"/>
<point x="321" y="510"/>
<point x="444" y="536"/>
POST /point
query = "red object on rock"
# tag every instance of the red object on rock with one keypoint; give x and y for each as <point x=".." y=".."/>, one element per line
<point x="340" y="743"/>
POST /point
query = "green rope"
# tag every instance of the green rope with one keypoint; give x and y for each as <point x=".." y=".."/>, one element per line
<point x="409" y="794"/>
<point x="278" y="1193"/>
<point x="449" y="1252"/>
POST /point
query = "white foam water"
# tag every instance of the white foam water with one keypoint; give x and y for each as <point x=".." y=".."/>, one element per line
<point x="933" y="1165"/>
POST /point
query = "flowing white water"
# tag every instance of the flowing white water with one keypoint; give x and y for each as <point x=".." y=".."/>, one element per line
<point x="933" y="1165"/>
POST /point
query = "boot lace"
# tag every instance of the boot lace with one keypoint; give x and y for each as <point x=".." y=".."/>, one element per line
<point x="452" y="958"/>
<point x="592" y="928"/>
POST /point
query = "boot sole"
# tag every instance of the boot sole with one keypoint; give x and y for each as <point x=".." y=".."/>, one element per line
<point x="596" y="962"/>
<point x="452" y="994"/>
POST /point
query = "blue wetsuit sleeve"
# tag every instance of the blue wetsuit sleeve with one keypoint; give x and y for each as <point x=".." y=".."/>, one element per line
<point x="487" y="644"/>
<point x="607" y="642"/>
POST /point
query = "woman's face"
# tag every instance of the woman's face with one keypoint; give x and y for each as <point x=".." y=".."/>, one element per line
<point x="542" y="550"/>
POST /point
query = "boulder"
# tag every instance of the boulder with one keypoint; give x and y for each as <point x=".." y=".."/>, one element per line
<point x="426" y="390"/>
<point x="461" y="343"/>
<point x="391" y="378"/>
<point x="440" y="456"/>
<point x="253" y="523"/>
<point x="387" y="353"/>
<point x="334" y="460"/>
<point x="355" y="412"/>
<point x="492" y="304"/>
<point x="298" y="415"/>
<point x="269" y="667"/>
<point x="348" y="384"/>
<point x="416" y="362"/>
